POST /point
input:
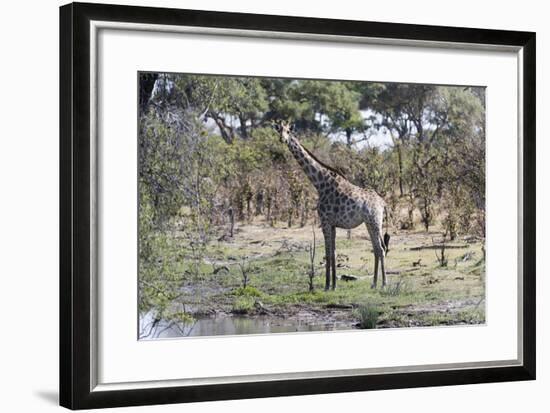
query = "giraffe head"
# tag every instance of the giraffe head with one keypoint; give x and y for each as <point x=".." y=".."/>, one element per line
<point x="284" y="129"/>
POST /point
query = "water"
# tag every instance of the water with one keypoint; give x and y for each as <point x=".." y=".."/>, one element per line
<point x="231" y="325"/>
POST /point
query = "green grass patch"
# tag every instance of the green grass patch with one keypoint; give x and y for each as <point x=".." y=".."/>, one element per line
<point x="396" y="288"/>
<point x="243" y="305"/>
<point x="368" y="316"/>
<point x="247" y="291"/>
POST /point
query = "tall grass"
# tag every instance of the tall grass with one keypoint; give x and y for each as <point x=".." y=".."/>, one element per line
<point x="368" y="316"/>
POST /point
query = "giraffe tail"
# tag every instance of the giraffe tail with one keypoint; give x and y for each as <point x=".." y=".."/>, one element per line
<point x="386" y="243"/>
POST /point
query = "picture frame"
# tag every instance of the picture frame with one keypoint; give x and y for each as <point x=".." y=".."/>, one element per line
<point x="80" y="254"/>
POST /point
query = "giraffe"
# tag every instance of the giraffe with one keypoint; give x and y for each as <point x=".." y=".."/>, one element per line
<point x="341" y="205"/>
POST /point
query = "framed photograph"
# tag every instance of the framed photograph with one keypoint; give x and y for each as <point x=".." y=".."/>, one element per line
<point x="257" y="206"/>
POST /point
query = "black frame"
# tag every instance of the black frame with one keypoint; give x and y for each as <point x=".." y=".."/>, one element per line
<point x="75" y="305"/>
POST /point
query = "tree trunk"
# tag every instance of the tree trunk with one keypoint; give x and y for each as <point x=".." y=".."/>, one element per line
<point x="426" y="215"/>
<point x="228" y="135"/>
<point x="259" y="202"/>
<point x="348" y="137"/>
<point x="240" y="209"/>
<point x="244" y="130"/>
<point x="290" y="218"/>
<point x="400" y="165"/>
<point x="248" y="209"/>
<point x="268" y="208"/>
<point x="231" y="221"/>
<point x="303" y="218"/>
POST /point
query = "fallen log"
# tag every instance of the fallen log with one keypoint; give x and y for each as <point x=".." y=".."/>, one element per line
<point x="339" y="306"/>
<point x="438" y="247"/>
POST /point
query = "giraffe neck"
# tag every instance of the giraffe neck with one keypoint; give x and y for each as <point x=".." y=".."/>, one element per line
<point x="318" y="174"/>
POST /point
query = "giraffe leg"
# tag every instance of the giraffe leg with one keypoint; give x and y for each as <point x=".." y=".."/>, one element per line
<point x="379" y="254"/>
<point x="373" y="237"/>
<point x="382" y="249"/>
<point x="383" y="270"/>
<point x="327" y="234"/>
<point x="374" y="227"/>
<point x="333" y="256"/>
<point x="375" y="279"/>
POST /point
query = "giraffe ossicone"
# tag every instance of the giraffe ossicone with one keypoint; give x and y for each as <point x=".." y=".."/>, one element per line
<point x="341" y="205"/>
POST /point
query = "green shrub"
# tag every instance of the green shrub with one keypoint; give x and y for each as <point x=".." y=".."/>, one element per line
<point x="368" y="316"/>
<point x="182" y="317"/>
<point x="243" y="305"/>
